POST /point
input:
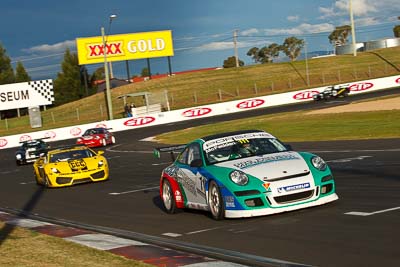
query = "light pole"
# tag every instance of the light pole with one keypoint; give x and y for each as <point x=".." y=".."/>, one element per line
<point x="353" y="31"/>
<point x="107" y="77"/>
<point x="307" y="73"/>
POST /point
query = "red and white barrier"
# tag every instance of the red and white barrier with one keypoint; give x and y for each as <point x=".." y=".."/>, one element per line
<point x="73" y="132"/>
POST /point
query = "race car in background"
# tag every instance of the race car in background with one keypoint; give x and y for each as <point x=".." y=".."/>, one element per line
<point x="243" y="174"/>
<point x="30" y="150"/>
<point x="69" y="166"/>
<point x="333" y="91"/>
<point x="95" y="137"/>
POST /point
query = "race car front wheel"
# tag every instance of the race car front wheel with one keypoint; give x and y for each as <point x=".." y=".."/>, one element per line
<point x="46" y="182"/>
<point x="168" y="197"/>
<point x="215" y="201"/>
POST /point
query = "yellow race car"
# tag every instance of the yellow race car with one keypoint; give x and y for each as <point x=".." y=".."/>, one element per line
<point x="69" y="166"/>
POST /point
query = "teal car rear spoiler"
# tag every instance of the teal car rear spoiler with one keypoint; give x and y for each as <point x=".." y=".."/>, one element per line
<point x="171" y="149"/>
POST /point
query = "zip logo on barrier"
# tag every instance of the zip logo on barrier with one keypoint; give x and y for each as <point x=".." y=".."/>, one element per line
<point x="397" y="80"/>
<point x="3" y="142"/>
<point x="361" y="86"/>
<point x="25" y="137"/>
<point x="50" y="134"/>
<point x="252" y="103"/>
<point x="196" y="112"/>
<point x="305" y="95"/>
<point x="75" y="131"/>
<point x="139" y="121"/>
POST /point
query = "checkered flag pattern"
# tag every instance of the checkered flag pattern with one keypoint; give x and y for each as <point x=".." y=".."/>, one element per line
<point x="43" y="87"/>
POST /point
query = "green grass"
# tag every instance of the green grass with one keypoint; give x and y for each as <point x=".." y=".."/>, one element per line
<point x="299" y="126"/>
<point x="200" y="88"/>
<point x="23" y="247"/>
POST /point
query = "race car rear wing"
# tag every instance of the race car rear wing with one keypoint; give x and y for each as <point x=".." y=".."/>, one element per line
<point x="36" y="139"/>
<point x="172" y="149"/>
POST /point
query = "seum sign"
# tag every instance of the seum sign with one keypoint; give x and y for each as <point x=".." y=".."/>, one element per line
<point x="125" y="47"/>
<point x="27" y="94"/>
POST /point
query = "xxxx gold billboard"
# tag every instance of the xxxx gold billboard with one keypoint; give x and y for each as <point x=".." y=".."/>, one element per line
<point x="125" y="47"/>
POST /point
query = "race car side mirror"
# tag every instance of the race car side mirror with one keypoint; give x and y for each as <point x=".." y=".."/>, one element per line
<point x="101" y="152"/>
<point x="289" y="147"/>
<point x="196" y="163"/>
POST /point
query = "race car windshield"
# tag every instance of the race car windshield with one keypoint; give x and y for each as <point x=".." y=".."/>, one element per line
<point x="243" y="148"/>
<point x="69" y="155"/>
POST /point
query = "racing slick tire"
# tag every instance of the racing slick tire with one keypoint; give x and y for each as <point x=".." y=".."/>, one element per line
<point x="103" y="142"/>
<point x="215" y="201"/>
<point x="36" y="178"/>
<point x="46" y="182"/>
<point x="168" y="197"/>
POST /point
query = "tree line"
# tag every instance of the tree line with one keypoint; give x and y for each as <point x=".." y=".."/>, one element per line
<point x="292" y="47"/>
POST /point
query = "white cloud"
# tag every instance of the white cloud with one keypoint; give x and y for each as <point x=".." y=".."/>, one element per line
<point x="216" y="46"/>
<point x="55" y="48"/>
<point x="367" y="21"/>
<point x="304" y="28"/>
<point x="249" y="32"/>
<point x="360" y="7"/>
<point x="293" y="18"/>
<point x="327" y="12"/>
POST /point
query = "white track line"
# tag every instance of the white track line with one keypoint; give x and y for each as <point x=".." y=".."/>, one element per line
<point x="359" y="213"/>
<point x="132" y="191"/>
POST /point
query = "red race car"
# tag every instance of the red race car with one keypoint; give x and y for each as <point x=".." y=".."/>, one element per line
<point x="95" y="137"/>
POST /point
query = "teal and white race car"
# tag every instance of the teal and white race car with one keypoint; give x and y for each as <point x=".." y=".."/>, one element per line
<point x="243" y="174"/>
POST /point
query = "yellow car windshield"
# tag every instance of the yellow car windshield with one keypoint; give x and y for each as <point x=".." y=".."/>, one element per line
<point x="70" y="155"/>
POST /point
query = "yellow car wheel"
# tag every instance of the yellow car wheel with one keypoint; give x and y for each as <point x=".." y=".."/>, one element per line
<point x="46" y="181"/>
<point x="36" y="179"/>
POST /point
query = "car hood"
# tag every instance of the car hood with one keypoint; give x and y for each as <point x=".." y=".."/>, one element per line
<point x="88" y="137"/>
<point x="270" y="167"/>
<point x="76" y="165"/>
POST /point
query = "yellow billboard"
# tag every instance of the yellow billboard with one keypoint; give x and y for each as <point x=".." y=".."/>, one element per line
<point x="125" y="47"/>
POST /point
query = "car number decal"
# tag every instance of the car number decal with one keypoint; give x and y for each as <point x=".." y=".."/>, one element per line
<point x="78" y="164"/>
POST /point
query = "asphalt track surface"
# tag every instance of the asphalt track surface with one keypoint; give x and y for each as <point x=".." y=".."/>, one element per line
<point x="360" y="229"/>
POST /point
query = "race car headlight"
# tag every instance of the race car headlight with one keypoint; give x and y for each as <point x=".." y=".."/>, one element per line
<point x="100" y="163"/>
<point x="79" y="140"/>
<point x="97" y="137"/>
<point x="318" y="163"/>
<point x="54" y="170"/>
<point x="18" y="156"/>
<point x="239" y="177"/>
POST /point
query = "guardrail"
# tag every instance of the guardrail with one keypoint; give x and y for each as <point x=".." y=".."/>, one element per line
<point x="147" y="119"/>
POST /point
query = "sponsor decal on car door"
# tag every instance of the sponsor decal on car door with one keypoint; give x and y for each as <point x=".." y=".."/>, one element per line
<point x="190" y="177"/>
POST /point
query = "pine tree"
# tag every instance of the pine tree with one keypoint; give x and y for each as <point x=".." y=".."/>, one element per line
<point x="6" y="71"/>
<point x="67" y="85"/>
<point x="20" y="74"/>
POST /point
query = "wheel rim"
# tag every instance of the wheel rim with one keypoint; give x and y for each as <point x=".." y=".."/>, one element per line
<point x="167" y="196"/>
<point x="214" y="201"/>
<point x="113" y="140"/>
<point x="104" y="142"/>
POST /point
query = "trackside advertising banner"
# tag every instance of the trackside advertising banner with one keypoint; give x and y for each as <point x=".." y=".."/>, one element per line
<point x="153" y="119"/>
<point x="125" y="47"/>
<point x="27" y="94"/>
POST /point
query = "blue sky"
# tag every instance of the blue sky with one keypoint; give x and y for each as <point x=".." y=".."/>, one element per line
<point x="38" y="32"/>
